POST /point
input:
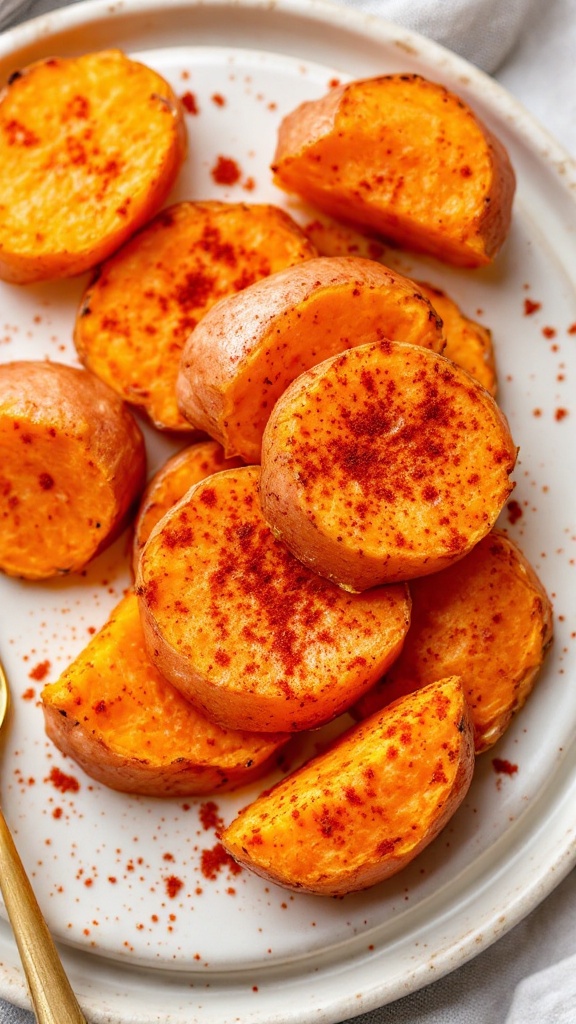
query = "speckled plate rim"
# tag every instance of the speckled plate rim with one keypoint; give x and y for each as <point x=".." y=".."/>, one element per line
<point x="540" y="849"/>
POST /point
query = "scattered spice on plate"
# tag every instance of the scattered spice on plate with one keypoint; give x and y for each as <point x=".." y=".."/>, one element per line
<point x="514" y="511"/>
<point x="189" y="102"/>
<point x="40" y="671"/>
<point x="504" y="767"/>
<point x="65" y="783"/>
<point x="225" y="171"/>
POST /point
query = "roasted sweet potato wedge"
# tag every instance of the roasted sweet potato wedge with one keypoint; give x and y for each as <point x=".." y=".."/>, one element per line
<point x="384" y="463"/>
<point x="130" y="729"/>
<point x="146" y="299"/>
<point x="468" y="343"/>
<point x="246" y="632"/>
<point x="171" y="482"/>
<point x="487" y="619"/>
<point x="245" y="352"/>
<point x="405" y="157"/>
<point x="363" y="810"/>
<point x="72" y="467"/>
<point x="90" y="146"/>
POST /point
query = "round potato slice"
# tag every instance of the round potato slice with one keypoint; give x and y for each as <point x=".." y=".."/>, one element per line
<point x="405" y="157"/>
<point x="178" y="474"/>
<point x="89" y="148"/>
<point x="72" y="467"/>
<point x="384" y="463"/>
<point x="144" y="302"/>
<point x="487" y="619"/>
<point x="252" y="345"/>
<point x="360" y="812"/>
<point x="130" y="729"/>
<point x="245" y="631"/>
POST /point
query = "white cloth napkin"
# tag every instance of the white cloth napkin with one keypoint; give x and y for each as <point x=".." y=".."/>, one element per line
<point x="12" y="10"/>
<point x="483" y="31"/>
<point x="529" y="976"/>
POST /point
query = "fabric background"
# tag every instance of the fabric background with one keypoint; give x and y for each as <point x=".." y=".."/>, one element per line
<point x="529" y="975"/>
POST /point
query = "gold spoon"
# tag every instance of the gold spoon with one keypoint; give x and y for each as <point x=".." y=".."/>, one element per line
<point x="52" y="997"/>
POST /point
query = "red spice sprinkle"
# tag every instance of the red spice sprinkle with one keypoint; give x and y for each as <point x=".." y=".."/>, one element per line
<point x="225" y="171"/>
<point x="57" y="812"/>
<point x="40" y="671"/>
<point x="218" y="100"/>
<point x="572" y="329"/>
<point x="173" y="886"/>
<point x="214" y="860"/>
<point x="189" y="103"/>
<point x="531" y="307"/>
<point x="560" y="414"/>
<point x="29" y="694"/>
<point x="549" y="332"/>
<point x="210" y="816"/>
<point x="65" y="783"/>
<point x="504" y="767"/>
<point x="514" y="511"/>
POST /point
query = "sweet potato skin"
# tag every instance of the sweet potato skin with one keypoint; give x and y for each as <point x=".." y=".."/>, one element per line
<point x="405" y="157"/>
<point x="72" y="467"/>
<point x="131" y="730"/>
<point x="385" y="463"/>
<point x="246" y="632"/>
<point x="78" y="174"/>
<point x="178" y="474"/>
<point x="360" y="812"/>
<point x="251" y="346"/>
<point x="190" y="256"/>
<point x="488" y="619"/>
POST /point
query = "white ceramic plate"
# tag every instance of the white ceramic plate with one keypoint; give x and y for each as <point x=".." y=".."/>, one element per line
<point x="105" y="866"/>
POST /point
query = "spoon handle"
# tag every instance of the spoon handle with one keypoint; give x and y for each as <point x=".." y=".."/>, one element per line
<point x="52" y="997"/>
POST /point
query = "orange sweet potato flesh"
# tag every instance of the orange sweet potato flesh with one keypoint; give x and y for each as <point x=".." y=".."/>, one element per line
<point x="89" y="148"/>
<point x="178" y="474"/>
<point x="363" y="810"/>
<point x="246" y="632"/>
<point x="144" y="301"/>
<point x="489" y="620"/>
<point x="405" y="157"/>
<point x="384" y="463"/>
<point x="130" y="729"/>
<point x="72" y="467"/>
<point x="468" y="342"/>
<point x="251" y="346"/>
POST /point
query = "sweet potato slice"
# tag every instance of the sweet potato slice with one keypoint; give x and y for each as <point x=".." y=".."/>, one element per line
<point x="468" y="342"/>
<point x="384" y="463"/>
<point x="72" y="467"/>
<point x="487" y="619"/>
<point x="144" y="301"/>
<point x="360" y="812"/>
<point x="89" y="148"/>
<point x="246" y="632"/>
<point x="405" y="157"/>
<point x="249" y="347"/>
<point x="178" y="474"/>
<point x="127" y="727"/>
